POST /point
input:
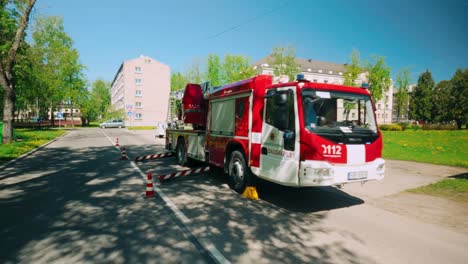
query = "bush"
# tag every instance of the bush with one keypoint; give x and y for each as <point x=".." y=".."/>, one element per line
<point x="403" y="125"/>
<point x="415" y="127"/>
<point x="439" y="127"/>
<point x="390" y="127"/>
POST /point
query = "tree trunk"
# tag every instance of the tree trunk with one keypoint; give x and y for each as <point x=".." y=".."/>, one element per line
<point x="8" y="110"/>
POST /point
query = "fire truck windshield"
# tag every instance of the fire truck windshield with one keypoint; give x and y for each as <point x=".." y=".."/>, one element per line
<point x="340" y="117"/>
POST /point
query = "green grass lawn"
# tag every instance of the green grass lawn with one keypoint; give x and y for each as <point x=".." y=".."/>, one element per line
<point x="447" y="147"/>
<point x="452" y="188"/>
<point x="27" y="140"/>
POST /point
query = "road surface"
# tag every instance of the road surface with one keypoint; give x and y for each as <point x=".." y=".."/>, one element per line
<point x="75" y="201"/>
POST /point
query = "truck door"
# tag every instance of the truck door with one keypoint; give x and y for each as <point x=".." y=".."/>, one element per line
<point x="279" y="158"/>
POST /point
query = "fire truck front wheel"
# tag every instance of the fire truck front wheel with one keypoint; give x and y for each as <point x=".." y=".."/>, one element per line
<point x="239" y="173"/>
<point x="181" y="154"/>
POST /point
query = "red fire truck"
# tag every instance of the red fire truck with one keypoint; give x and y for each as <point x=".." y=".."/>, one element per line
<point x="297" y="134"/>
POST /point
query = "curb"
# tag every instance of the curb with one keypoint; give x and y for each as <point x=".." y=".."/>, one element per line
<point x="32" y="151"/>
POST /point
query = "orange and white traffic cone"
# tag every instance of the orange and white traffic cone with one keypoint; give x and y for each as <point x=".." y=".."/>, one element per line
<point x="124" y="154"/>
<point x="117" y="142"/>
<point x="149" y="186"/>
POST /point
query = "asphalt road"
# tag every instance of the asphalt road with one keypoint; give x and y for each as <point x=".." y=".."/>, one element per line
<point x="75" y="201"/>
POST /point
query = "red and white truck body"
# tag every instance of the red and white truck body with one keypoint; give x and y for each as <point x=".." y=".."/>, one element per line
<point x="295" y="134"/>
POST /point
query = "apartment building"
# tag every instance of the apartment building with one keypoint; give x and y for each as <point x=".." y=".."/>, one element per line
<point x="332" y="73"/>
<point x="141" y="87"/>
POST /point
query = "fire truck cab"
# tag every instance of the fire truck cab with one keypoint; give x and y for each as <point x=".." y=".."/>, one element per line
<point x="295" y="134"/>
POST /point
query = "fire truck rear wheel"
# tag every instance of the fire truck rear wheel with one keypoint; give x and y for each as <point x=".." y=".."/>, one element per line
<point x="181" y="154"/>
<point x="239" y="173"/>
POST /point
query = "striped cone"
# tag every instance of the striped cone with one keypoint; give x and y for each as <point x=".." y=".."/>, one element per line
<point x="149" y="186"/>
<point x="124" y="154"/>
<point x="117" y="142"/>
<point x="183" y="173"/>
<point x="153" y="156"/>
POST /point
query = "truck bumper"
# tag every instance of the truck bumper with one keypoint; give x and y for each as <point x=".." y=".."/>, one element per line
<point x="322" y="173"/>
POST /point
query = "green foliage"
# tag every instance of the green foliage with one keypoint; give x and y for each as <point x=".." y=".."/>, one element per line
<point x="213" y="70"/>
<point x="420" y="103"/>
<point x="378" y="74"/>
<point x="403" y="125"/>
<point x="453" y="188"/>
<point x="390" y="127"/>
<point x="379" y="77"/>
<point x="353" y="69"/>
<point x="236" y="68"/>
<point x="178" y="81"/>
<point x="114" y="114"/>
<point x="401" y="96"/>
<point x="439" y="127"/>
<point x="194" y="73"/>
<point x="459" y="104"/>
<point x="438" y="147"/>
<point x="232" y="68"/>
<point x="8" y="27"/>
<point x="283" y="61"/>
<point x="57" y="74"/>
<point x="442" y="102"/>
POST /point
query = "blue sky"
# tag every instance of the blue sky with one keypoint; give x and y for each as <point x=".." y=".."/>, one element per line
<point x="420" y="34"/>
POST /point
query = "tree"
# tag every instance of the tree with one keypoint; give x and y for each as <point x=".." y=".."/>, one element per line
<point x="100" y="97"/>
<point x="59" y="70"/>
<point x="379" y="77"/>
<point x="420" y="103"/>
<point x="193" y="73"/>
<point x="353" y="69"/>
<point x="236" y="68"/>
<point x="178" y="81"/>
<point x="442" y="102"/>
<point x="9" y="43"/>
<point x="213" y="70"/>
<point x="459" y="103"/>
<point x="283" y="61"/>
<point x="401" y="96"/>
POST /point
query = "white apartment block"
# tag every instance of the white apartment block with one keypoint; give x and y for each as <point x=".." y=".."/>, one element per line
<point x="141" y="87"/>
<point x="332" y="73"/>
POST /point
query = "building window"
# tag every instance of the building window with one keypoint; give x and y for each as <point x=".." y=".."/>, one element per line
<point x="137" y="104"/>
<point x="353" y="115"/>
<point x="315" y="80"/>
<point x="76" y="111"/>
<point x="325" y="81"/>
<point x="320" y="71"/>
<point x="138" y="81"/>
<point x="138" y="116"/>
<point x="330" y="72"/>
<point x="137" y="69"/>
<point x="379" y="106"/>
<point x="138" y="92"/>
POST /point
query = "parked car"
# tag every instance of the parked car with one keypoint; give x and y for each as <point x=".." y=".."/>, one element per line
<point x="112" y="123"/>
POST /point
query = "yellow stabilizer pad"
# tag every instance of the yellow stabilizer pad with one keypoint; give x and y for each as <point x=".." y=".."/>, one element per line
<point x="250" y="193"/>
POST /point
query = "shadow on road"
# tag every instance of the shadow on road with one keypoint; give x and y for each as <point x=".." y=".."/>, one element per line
<point x="284" y="226"/>
<point x="306" y="200"/>
<point x="83" y="205"/>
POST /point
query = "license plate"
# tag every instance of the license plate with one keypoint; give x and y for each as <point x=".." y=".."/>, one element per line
<point x="357" y="175"/>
